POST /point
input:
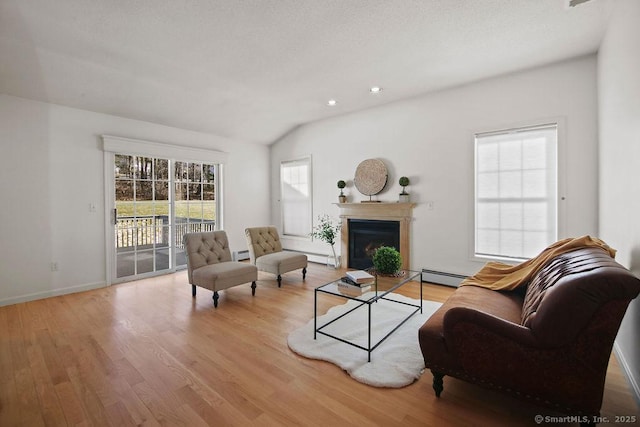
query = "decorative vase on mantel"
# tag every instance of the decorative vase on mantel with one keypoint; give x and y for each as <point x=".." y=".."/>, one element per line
<point x="342" y="198"/>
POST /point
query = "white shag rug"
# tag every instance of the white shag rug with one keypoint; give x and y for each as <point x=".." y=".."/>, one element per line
<point x="397" y="362"/>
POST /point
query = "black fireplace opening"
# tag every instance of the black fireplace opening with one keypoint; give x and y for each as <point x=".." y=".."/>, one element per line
<point x="367" y="235"/>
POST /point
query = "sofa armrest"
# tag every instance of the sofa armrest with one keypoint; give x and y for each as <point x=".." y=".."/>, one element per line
<point x="457" y="316"/>
<point x="496" y="353"/>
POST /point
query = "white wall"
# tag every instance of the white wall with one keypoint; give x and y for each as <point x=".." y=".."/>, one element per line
<point x="51" y="169"/>
<point x="430" y="140"/>
<point x="619" y="115"/>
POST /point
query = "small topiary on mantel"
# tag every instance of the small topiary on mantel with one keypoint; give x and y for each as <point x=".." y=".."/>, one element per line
<point x="403" y="181"/>
<point x="341" y="197"/>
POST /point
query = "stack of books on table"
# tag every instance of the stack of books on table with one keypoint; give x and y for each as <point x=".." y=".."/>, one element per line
<point x="355" y="282"/>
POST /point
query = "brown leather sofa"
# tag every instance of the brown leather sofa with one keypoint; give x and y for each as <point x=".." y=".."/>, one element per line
<point x="548" y="342"/>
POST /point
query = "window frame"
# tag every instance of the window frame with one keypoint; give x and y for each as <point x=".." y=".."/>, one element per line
<point x="305" y="160"/>
<point x="560" y="164"/>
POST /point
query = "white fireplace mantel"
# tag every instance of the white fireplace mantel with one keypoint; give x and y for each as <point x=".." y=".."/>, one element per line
<point x="401" y="212"/>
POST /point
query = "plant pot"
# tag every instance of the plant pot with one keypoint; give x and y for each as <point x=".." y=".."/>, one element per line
<point x="342" y="199"/>
<point x="403" y="198"/>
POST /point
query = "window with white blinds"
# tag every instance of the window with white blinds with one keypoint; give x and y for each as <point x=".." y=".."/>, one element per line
<point x="295" y="181"/>
<point x="516" y="183"/>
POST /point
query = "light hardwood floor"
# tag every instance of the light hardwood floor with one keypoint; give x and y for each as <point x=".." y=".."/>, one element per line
<point x="147" y="353"/>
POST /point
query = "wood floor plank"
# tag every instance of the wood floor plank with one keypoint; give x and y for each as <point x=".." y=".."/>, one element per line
<point x="161" y="408"/>
<point x="9" y="410"/>
<point x="118" y="415"/>
<point x="86" y="394"/>
<point x="47" y="396"/>
<point x="74" y="410"/>
<point x="148" y="353"/>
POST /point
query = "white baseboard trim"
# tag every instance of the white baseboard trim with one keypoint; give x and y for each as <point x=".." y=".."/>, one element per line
<point x="52" y="293"/>
<point x="626" y="370"/>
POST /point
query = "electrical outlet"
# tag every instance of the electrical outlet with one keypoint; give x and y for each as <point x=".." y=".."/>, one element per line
<point x="430" y="205"/>
<point x="92" y="207"/>
<point x="54" y="266"/>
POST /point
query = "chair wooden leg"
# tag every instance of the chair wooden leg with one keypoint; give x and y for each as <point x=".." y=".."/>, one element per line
<point x="215" y="299"/>
<point x="253" y="288"/>
<point x="193" y="290"/>
<point x="304" y="273"/>
<point x="437" y="382"/>
<point x="279" y="280"/>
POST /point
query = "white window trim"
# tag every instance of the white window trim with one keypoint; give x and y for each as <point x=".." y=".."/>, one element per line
<point x="561" y="160"/>
<point x="137" y="147"/>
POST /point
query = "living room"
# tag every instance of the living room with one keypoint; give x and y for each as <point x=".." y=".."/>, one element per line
<point x="53" y="165"/>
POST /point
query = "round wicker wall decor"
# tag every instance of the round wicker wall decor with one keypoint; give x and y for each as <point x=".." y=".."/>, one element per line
<point x="371" y="177"/>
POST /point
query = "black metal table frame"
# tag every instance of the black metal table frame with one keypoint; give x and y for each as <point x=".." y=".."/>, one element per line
<point x="376" y="298"/>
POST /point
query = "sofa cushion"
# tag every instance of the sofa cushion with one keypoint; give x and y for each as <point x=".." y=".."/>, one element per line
<point x="224" y="274"/>
<point x="281" y="262"/>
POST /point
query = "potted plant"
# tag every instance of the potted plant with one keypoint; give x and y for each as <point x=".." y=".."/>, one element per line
<point x="387" y="260"/>
<point x="404" y="196"/>
<point x="342" y="198"/>
<point x="328" y="232"/>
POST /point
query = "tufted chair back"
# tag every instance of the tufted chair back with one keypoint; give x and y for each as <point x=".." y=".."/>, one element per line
<point x="262" y="241"/>
<point x="205" y="248"/>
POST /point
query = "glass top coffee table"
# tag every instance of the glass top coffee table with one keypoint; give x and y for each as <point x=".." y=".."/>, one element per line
<point x="380" y="290"/>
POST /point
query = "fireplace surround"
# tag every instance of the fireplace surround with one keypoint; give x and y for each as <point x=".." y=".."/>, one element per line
<point x="401" y="213"/>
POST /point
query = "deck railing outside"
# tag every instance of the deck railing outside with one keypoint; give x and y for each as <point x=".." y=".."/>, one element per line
<point x="145" y="231"/>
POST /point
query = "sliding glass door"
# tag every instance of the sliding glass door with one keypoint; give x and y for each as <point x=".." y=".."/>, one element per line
<point x="157" y="201"/>
<point x="195" y="202"/>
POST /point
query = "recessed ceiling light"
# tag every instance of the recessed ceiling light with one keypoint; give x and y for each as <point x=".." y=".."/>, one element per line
<point x="375" y="89"/>
<point x="332" y="102"/>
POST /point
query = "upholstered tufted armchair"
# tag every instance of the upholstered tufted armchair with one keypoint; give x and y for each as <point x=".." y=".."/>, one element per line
<point x="265" y="252"/>
<point x="209" y="264"/>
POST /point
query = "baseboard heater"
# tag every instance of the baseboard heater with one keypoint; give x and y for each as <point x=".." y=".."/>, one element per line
<point x="311" y="257"/>
<point x="240" y="255"/>
<point x="442" y="278"/>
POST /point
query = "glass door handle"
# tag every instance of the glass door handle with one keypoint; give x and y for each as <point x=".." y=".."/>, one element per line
<point x="114" y="216"/>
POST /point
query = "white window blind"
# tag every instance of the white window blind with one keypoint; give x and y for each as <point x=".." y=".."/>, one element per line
<point x="516" y="192"/>
<point x="295" y="181"/>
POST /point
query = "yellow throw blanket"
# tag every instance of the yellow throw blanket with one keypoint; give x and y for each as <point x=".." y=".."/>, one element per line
<point x="504" y="277"/>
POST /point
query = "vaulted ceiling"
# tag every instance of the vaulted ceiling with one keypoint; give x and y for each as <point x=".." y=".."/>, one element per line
<point x="253" y="70"/>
